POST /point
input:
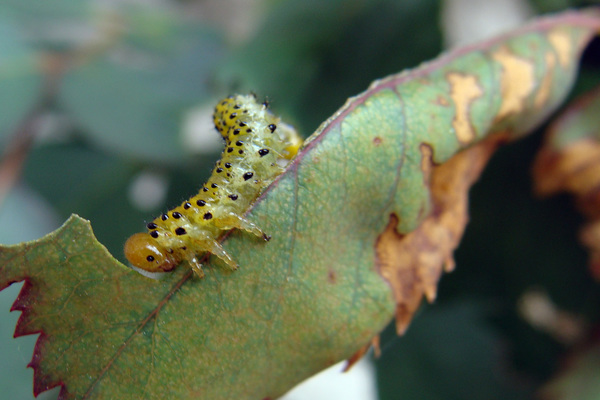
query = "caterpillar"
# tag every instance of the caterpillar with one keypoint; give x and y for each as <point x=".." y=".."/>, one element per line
<point x="257" y="148"/>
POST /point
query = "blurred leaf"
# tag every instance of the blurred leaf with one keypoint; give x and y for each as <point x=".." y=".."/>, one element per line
<point x="385" y="158"/>
<point x="514" y="242"/>
<point x="39" y="220"/>
<point x="133" y="96"/>
<point x="287" y="45"/>
<point x="307" y="63"/>
<point x="133" y="71"/>
<point x="450" y="352"/>
<point x="569" y="162"/>
<point x="546" y="6"/>
<point x="20" y="75"/>
<point x="578" y="380"/>
<point x="53" y="25"/>
<point x="102" y="190"/>
<point x="35" y="12"/>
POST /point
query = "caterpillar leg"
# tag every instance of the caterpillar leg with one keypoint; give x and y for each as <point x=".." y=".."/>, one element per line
<point x="215" y="248"/>
<point x="236" y="221"/>
<point x="196" y="266"/>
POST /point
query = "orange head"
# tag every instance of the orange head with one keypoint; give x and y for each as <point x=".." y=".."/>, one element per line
<point x="146" y="253"/>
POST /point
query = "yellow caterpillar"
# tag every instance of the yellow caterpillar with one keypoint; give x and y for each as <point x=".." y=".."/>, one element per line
<point x="257" y="147"/>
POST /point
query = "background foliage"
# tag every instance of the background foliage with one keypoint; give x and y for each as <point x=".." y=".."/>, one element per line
<point x="118" y="103"/>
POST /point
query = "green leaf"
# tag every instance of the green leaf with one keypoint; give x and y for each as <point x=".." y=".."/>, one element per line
<point x="320" y="289"/>
<point x="15" y="379"/>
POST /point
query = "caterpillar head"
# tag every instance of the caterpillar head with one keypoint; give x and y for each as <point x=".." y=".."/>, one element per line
<point x="145" y="253"/>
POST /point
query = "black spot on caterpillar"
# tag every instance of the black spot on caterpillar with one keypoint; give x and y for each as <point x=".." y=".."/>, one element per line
<point x="193" y="227"/>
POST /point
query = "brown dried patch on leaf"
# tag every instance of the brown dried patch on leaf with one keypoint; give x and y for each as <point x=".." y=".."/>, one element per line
<point x="413" y="263"/>
<point x="464" y="89"/>
<point x="517" y="82"/>
<point x="543" y="93"/>
<point x="574" y="169"/>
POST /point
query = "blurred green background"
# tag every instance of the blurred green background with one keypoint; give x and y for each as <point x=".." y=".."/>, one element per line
<point x="105" y="112"/>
